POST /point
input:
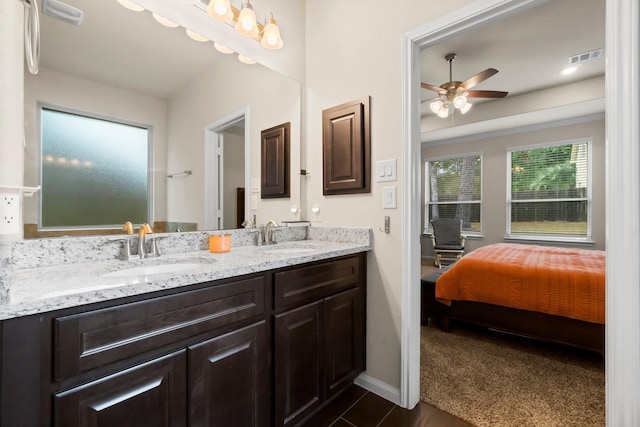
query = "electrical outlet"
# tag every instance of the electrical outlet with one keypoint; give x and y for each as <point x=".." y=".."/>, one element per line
<point x="9" y="213"/>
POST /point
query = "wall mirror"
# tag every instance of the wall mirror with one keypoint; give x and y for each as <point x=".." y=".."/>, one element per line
<point x="124" y="65"/>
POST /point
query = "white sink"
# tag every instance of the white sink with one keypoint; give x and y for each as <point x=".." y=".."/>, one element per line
<point x="289" y="250"/>
<point x="147" y="270"/>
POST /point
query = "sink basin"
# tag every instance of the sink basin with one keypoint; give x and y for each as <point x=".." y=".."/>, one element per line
<point x="289" y="250"/>
<point x="147" y="270"/>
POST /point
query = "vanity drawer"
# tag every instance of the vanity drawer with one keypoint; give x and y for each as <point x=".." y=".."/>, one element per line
<point x="305" y="284"/>
<point x="89" y="340"/>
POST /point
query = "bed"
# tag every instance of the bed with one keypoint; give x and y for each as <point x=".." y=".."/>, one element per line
<point x="548" y="293"/>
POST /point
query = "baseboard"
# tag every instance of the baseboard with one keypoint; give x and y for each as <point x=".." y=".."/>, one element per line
<point x="384" y="390"/>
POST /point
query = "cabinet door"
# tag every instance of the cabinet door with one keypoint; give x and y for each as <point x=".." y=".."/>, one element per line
<point x="228" y="379"/>
<point x="298" y="363"/>
<point x="152" y="394"/>
<point x="343" y="340"/>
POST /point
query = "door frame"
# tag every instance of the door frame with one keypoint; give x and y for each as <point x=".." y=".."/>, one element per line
<point x="622" y="148"/>
<point x="212" y="134"/>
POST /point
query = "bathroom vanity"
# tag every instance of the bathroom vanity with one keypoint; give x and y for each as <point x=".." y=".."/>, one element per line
<point x="260" y="348"/>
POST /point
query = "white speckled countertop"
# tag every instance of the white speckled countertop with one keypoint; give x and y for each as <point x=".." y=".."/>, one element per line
<point x="51" y="287"/>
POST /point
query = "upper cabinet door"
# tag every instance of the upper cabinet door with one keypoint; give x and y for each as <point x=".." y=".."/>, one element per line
<point x="346" y="148"/>
<point x="275" y="161"/>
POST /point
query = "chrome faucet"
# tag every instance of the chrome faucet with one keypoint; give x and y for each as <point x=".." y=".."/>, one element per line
<point x="248" y="224"/>
<point x="142" y="232"/>
<point x="269" y="229"/>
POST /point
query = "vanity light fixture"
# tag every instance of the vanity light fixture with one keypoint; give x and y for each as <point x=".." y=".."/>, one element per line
<point x="244" y="21"/>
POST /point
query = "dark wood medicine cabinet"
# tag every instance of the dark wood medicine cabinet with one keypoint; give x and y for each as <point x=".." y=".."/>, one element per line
<point x="274" y="161"/>
<point x="346" y="148"/>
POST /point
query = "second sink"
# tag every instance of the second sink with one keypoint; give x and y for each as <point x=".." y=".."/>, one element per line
<point x="147" y="270"/>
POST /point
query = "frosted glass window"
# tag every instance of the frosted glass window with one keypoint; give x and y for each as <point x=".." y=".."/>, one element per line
<point x="95" y="172"/>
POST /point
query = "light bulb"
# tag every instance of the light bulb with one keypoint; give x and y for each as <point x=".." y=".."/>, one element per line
<point x="271" y="36"/>
<point x="220" y="10"/>
<point x="195" y="36"/>
<point x="246" y="59"/>
<point x="460" y="101"/>
<point x="246" y="24"/>
<point x="436" y="105"/>
<point x="444" y="112"/>
<point x="222" y="48"/>
<point x="164" y="21"/>
<point x="131" y="5"/>
<point x="466" y="108"/>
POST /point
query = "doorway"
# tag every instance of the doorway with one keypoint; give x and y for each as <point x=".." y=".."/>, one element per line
<point x="623" y="193"/>
<point x="227" y="154"/>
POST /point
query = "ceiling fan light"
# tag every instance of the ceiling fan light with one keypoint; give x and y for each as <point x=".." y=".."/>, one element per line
<point x="246" y="24"/>
<point x="460" y="101"/>
<point x="444" y="112"/>
<point x="466" y="107"/>
<point x="271" y="36"/>
<point x="436" y="105"/>
<point x="220" y="10"/>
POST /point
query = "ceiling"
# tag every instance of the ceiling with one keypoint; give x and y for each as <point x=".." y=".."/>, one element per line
<point x="125" y="49"/>
<point x="528" y="49"/>
<point x="132" y="51"/>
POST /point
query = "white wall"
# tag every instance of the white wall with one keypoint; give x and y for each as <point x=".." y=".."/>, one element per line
<point x="353" y="48"/>
<point x="272" y="100"/>
<point x="65" y="90"/>
<point x="494" y="176"/>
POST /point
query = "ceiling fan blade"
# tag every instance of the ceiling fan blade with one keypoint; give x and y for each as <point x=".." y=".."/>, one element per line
<point x="433" y="88"/>
<point x="481" y="76"/>
<point x="486" y="94"/>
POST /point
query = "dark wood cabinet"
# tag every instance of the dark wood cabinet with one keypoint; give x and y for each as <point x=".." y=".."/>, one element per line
<point x="228" y="379"/>
<point x="346" y="148"/>
<point x="344" y="340"/>
<point x="152" y="394"/>
<point x="319" y="346"/>
<point x="299" y="367"/>
<point x="274" y="164"/>
<point x="266" y="349"/>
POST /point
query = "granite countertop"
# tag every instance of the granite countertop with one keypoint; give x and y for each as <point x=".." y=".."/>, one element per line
<point x="43" y="289"/>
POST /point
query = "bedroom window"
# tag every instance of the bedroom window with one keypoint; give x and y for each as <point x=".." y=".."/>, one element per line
<point x="549" y="191"/>
<point x="453" y="189"/>
<point x="94" y="171"/>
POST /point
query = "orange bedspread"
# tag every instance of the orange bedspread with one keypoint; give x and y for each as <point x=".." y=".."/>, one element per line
<point x="560" y="281"/>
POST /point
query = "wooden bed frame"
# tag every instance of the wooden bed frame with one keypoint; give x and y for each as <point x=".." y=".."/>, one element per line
<point x="541" y="326"/>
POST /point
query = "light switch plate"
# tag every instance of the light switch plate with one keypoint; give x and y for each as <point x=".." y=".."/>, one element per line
<point x="389" y="197"/>
<point x="386" y="170"/>
<point x="255" y="185"/>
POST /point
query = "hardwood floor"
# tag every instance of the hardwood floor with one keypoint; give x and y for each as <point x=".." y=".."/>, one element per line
<point x="357" y="407"/>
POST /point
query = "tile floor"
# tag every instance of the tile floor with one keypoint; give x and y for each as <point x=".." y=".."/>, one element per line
<point x="357" y="407"/>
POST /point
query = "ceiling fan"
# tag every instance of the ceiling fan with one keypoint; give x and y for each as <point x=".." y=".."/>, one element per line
<point x="453" y="94"/>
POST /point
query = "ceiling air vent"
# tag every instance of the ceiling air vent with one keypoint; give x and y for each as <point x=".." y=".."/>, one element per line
<point x="586" y="56"/>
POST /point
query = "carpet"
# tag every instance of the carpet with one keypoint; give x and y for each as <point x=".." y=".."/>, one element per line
<point x="493" y="379"/>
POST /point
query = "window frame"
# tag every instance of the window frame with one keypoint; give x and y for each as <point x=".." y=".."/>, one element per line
<point x="98" y="116"/>
<point x="587" y="239"/>
<point x="427" y="192"/>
